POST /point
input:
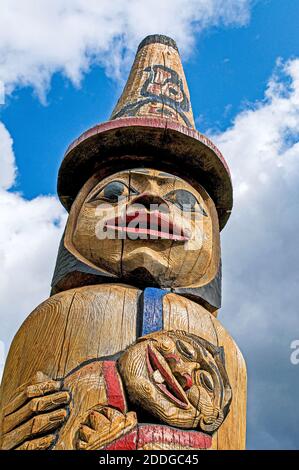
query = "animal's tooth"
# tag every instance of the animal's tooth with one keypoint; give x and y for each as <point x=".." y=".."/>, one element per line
<point x="158" y="377"/>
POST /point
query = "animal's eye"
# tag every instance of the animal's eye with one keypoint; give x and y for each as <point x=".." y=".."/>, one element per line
<point x="206" y="381"/>
<point x="185" y="349"/>
<point x="113" y="192"/>
<point x="185" y="201"/>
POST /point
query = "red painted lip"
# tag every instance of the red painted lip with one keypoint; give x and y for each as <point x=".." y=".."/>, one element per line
<point x="170" y="388"/>
<point x="154" y="224"/>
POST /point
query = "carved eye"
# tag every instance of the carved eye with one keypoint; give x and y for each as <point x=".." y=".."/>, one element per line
<point x="113" y="192"/>
<point x="185" y="201"/>
<point x="165" y="345"/>
<point x="186" y="350"/>
<point x="206" y="381"/>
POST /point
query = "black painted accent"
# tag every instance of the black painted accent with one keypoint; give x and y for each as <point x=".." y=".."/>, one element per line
<point x="170" y="79"/>
<point x="130" y="109"/>
<point x="67" y="265"/>
<point x="218" y="354"/>
<point x="157" y="38"/>
<point x="173" y="79"/>
<point x="139" y="318"/>
<point x="210" y="294"/>
<point x="112" y="357"/>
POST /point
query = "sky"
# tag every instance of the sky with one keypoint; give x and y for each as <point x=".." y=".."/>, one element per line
<point x="62" y="67"/>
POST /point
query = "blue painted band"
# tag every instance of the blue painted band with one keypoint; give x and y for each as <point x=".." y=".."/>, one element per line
<point x="152" y="315"/>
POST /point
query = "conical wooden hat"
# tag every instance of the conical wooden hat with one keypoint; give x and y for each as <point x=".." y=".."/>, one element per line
<point x="151" y="126"/>
<point x="157" y="85"/>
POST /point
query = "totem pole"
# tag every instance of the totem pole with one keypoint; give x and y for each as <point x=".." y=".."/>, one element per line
<point x="127" y="353"/>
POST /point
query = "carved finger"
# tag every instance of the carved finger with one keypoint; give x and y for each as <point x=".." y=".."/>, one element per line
<point x="49" y="421"/>
<point x="50" y="402"/>
<point x="26" y="392"/>
<point x="111" y="416"/>
<point x="111" y="413"/>
<point x="82" y="445"/>
<point x="36" y="405"/>
<point x="42" y="443"/>
<point x="123" y="422"/>
<point x="97" y="420"/>
<point x="120" y="425"/>
<point x="85" y="432"/>
<point x="130" y="419"/>
<point x="38" y="424"/>
<point x="119" y="420"/>
<point x="44" y="388"/>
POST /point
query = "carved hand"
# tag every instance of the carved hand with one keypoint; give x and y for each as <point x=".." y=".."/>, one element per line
<point x="33" y="416"/>
<point x="102" y="426"/>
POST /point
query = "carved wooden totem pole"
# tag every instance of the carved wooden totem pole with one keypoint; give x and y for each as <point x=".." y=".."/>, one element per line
<point x="127" y="353"/>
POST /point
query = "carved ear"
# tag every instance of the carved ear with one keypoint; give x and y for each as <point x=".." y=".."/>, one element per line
<point x="213" y="425"/>
<point x="227" y="399"/>
<point x="219" y="355"/>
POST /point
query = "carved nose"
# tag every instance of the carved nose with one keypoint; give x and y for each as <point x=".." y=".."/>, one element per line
<point x="188" y="381"/>
<point x="147" y="199"/>
<point x="184" y="379"/>
<point x="179" y="371"/>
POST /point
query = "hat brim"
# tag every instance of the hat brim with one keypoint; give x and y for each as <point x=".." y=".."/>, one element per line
<point x="146" y="142"/>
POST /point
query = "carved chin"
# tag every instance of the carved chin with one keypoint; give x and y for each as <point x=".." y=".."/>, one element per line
<point x="161" y="395"/>
<point x="154" y="267"/>
<point x="154" y="401"/>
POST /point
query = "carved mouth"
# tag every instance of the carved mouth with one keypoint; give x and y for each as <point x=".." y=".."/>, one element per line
<point x="155" y="225"/>
<point x="164" y="379"/>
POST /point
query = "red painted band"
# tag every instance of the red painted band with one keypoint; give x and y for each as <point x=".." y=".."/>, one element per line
<point x="127" y="442"/>
<point x="148" y="122"/>
<point x="154" y="433"/>
<point x="115" y="394"/>
<point x="159" y="434"/>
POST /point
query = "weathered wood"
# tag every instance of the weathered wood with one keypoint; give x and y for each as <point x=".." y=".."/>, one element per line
<point x="157" y="85"/>
<point x="152" y="124"/>
<point x="75" y="359"/>
<point x="183" y="314"/>
<point x="169" y="261"/>
<point x="130" y="355"/>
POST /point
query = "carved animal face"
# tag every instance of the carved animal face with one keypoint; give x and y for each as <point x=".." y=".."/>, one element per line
<point x="147" y="224"/>
<point x="179" y="378"/>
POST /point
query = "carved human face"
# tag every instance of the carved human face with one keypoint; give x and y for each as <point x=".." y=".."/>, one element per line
<point x="148" y="225"/>
<point x="179" y="378"/>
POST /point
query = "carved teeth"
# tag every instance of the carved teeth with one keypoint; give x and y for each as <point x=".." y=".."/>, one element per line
<point x="157" y="376"/>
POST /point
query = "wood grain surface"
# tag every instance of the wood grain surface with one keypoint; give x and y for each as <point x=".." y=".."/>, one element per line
<point x="80" y="326"/>
<point x="156" y="86"/>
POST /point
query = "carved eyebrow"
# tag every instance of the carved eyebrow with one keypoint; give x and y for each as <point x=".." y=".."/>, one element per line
<point x="141" y="171"/>
<point x="163" y="173"/>
<point x="166" y="177"/>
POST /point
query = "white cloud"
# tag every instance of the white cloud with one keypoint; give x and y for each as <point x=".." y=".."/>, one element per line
<point x="2" y="357"/>
<point x="260" y="251"/>
<point x="29" y="237"/>
<point x="8" y="169"/>
<point x="2" y="93"/>
<point x="40" y="38"/>
<point x="261" y="256"/>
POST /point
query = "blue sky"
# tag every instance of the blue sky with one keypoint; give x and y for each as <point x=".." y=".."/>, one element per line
<point x="228" y="68"/>
<point x="64" y="69"/>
